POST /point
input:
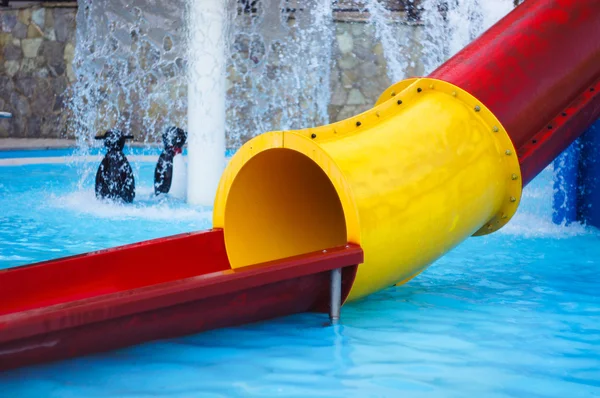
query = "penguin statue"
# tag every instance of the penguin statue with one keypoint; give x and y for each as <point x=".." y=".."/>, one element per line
<point x="114" y="178"/>
<point x="170" y="174"/>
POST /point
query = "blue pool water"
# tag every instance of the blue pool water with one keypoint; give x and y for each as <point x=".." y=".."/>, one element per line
<point x="514" y="314"/>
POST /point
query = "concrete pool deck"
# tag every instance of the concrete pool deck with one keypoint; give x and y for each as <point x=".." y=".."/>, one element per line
<point x="33" y="144"/>
<point x="10" y="144"/>
<point x="19" y="144"/>
<point x="15" y="144"/>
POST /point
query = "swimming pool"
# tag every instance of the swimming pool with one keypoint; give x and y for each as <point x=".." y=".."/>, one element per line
<point x="515" y="313"/>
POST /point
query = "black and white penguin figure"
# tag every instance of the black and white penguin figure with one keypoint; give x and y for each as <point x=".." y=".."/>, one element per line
<point x="170" y="174"/>
<point x="114" y="178"/>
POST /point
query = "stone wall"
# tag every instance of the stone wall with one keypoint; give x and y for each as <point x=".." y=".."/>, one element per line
<point x="359" y="71"/>
<point x="36" y="71"/>
<point x="36" y="54"/>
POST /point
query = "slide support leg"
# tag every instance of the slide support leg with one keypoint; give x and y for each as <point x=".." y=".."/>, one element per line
<point x="336" y="295"/>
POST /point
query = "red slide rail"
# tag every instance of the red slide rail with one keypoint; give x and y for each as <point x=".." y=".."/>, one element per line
<point x="153" y="290"/>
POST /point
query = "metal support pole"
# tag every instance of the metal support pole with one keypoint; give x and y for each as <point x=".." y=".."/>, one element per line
<point x="336" y="295"/>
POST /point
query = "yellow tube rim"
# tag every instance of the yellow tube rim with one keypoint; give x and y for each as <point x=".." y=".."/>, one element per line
<point x="335" y="219"/>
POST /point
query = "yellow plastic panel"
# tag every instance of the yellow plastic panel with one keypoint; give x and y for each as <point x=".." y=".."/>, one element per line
<point x="411" y="178"/>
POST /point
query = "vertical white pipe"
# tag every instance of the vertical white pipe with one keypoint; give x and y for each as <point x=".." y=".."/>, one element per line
<point x="206" y="99"/>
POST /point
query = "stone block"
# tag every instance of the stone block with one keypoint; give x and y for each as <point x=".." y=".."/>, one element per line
<point x="8" y="20"/>
<point x="43" y="100"/>
<point x="347" y="62"/>
<point x="364" y="53"/>
<point x="378" y="49"/>
<point x="11" y="68"/>
<point x="359" y="29"/>
<point x="38" y="16"/>
<point x="349" y="78"/>
<point x="69" y="53"/>
<point x="34" y="31"/>
<point x="347" y="112"/>
<point x="368" y="70"/>
<point x="6" y="86"/>
<point x="31" y="47"/>
<point x="6" y="128"/>
<point x="64" y="22"/>
<point x="167" y="43"/>
<point x="59" y="85"/>
<point x="24" y="16"/>
<point x="71" y="73"/>
<point x="5" y="38"/>
<point x="53" y="52"/>
<point x="19" y="31"/>
<point x="49" y="19"/>
<point x="51" y="126"/>
<point x="26" y="86"/>
<point x="355" y="97"/>
<point x="20" y="105"/>
<point x="373" y="88"/>
<point x="31" y="66"/>
<point x="34" y="124"/>
<point x="41" y="72"/>
<point x="57" y="69"/>
<point x="18" y="123"/>
<point x="339" y="95"/>
<point x="345" y="43"/>
<point x="49" y="34"/>
<point x="169" y="70"/>
<point x="333" y="111"/>
<point x="59" y="103"/>
<point x="12" y="52"/>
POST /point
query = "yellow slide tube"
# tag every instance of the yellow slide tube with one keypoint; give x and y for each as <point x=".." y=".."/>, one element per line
<point x="408" y="180"/>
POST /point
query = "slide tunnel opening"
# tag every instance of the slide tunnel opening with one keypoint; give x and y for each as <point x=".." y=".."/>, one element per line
<point x="281" y="204"/>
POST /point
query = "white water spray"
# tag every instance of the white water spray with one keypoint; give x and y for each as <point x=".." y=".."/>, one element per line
<point x="449" y="25"/>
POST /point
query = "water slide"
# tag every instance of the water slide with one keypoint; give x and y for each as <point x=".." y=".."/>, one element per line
<point x="306" y="220"/>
